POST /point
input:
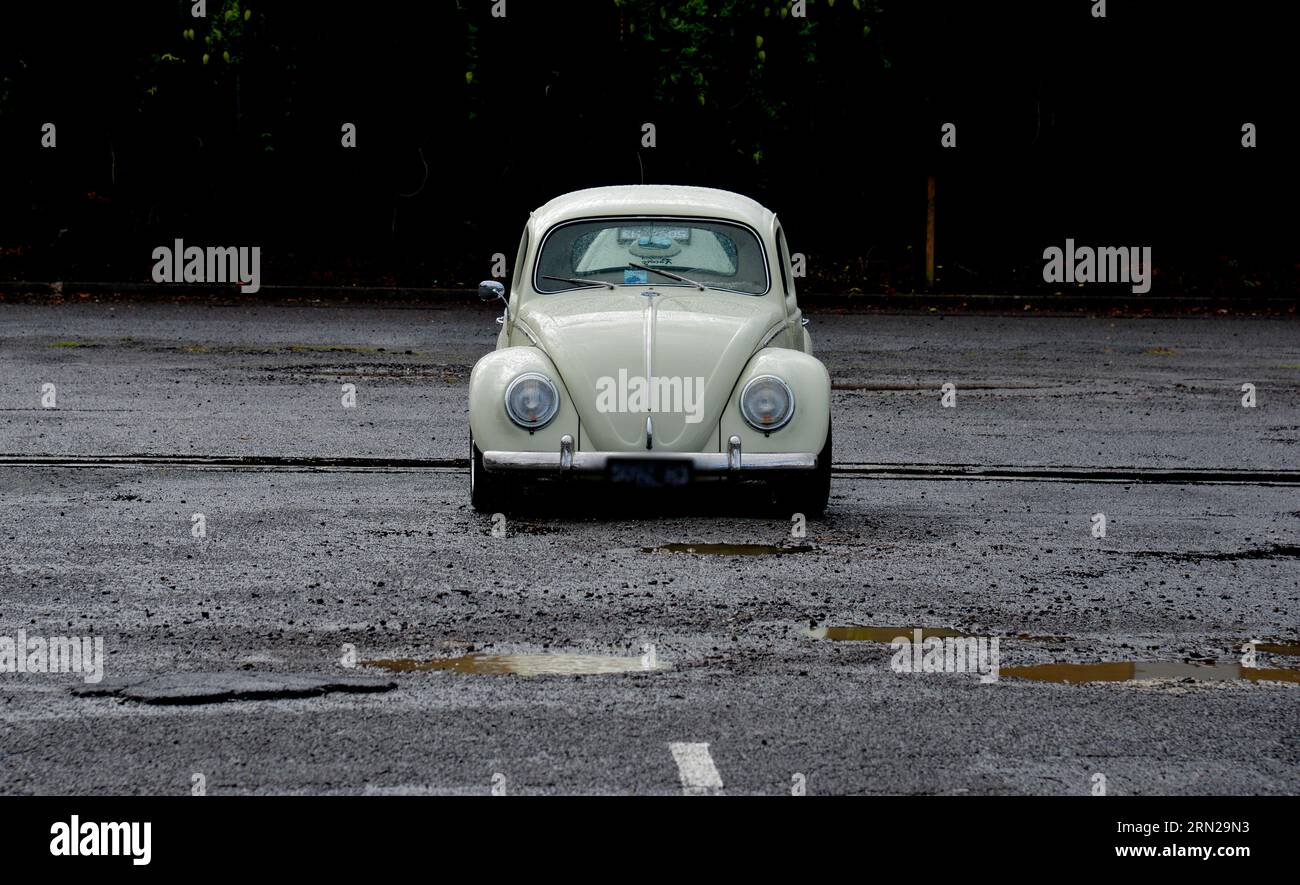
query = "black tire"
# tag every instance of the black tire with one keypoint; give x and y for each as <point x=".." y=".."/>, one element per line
<point x="485" y="490"/>
<point x="808" y="493"/>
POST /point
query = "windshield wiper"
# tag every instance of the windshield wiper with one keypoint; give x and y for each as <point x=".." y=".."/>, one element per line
<point x="701" y="286"/>
<point x="672" y="276"/>
<point x="580" y="282"/>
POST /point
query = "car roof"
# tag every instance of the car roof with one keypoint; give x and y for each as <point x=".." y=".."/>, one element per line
<point x="653" y="199"/>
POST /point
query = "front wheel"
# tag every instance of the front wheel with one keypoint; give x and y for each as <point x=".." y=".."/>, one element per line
<point x="485" y="490"/>
<point x="808" y="493"/>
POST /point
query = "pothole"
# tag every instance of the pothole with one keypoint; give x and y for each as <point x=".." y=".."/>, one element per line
<point x="211" y="688"/>
<point x="1273" y="551"/>
<point x="889" y="634"/>
<point x="1133" y="671"/>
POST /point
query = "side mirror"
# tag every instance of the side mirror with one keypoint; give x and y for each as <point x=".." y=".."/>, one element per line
<point x="491" y="290"/>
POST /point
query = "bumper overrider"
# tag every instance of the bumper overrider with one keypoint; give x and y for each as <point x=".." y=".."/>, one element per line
<point x="729" y="463"/>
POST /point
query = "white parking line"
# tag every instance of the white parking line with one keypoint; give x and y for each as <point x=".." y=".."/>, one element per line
<point x="698" y="773"/>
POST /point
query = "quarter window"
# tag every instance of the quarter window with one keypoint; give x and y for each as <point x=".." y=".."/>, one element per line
<point x="783" y="258"/>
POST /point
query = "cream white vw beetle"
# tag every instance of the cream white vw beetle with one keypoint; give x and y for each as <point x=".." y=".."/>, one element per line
<point x="651" y="337"/>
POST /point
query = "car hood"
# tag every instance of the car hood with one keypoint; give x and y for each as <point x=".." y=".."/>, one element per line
<point x="692" y="345"/>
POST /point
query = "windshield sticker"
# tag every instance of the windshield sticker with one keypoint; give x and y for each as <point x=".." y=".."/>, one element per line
<point x="630" y="234"/>
<point x="634" y="277"/>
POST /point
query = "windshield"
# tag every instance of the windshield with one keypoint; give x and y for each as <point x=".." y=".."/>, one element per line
<point x="713" y="253"/>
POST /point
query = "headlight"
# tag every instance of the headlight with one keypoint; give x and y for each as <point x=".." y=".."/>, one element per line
<point x="767" y="403"/>
<point x="532" y="400"/>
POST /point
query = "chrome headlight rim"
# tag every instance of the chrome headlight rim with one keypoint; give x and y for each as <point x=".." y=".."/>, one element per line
<point x="766" y="428"/>
<point x="550" y="414"/>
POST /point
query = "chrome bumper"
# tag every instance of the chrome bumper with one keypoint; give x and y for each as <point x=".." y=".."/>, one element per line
<point x="730" y="462"/>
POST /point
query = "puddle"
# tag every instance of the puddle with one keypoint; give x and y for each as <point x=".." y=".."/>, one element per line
<point x="1128" y="671"/>
<point x="730" y="549"/>
<point x="1279" y="648"/>
<point x="523" y="665"/>
<point x="880" y="634"/>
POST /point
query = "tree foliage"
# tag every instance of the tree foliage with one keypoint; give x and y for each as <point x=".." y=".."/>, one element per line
<point x="746" y="62"/>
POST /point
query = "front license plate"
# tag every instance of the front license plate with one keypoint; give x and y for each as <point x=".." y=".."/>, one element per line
<point x="652" y="474"/>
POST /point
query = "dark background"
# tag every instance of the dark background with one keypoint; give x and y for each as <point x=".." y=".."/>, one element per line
<point x="1117" y="131"/>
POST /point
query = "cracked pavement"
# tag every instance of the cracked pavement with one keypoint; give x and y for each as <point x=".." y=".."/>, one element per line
<point x="301" y="564"/>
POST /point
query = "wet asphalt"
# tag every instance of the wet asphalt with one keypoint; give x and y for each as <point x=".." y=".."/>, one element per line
<point x="242" y="655"/>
